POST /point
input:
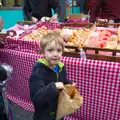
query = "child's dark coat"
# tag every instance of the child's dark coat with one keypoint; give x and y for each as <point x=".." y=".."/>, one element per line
<point x="43" y="91"/>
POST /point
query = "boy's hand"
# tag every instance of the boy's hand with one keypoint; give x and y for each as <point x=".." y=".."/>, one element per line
<point x="59" y="85"/>
<point x="74" y="84"/>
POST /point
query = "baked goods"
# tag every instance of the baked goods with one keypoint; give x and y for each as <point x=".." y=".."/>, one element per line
<point x="118" y="47"/>
<point x="119" y="33"/>
<point x="75" y="37"/>
<point x="38" y="33"/>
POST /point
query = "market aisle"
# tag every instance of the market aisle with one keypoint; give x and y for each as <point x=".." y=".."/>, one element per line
<point x="19" y="113"/>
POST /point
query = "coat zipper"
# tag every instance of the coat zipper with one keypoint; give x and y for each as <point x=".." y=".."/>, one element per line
<point x="57" y="76"/>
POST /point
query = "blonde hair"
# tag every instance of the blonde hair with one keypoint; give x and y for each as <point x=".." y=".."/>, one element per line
<point x="53" y="36"/>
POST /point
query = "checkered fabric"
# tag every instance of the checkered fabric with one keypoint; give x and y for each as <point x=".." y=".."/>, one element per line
<point x="97" y="81"/>
<point x="49" y="25"/>
<point x="30" y="46"/>
<point x="22" y="45"/>
<point x="72" y="118"/>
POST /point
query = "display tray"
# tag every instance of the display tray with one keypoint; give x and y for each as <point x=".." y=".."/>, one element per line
<point x="76" y="24"/>
<point x="25" y="22"/>
<point x="73" y="24"/>
<point x="91" y="52"/>
<point x="94" y="53"/>
<point x="88" y="25"/>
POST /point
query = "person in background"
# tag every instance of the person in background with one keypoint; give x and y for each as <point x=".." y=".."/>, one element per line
<point x="48" y="77"/>
<point x="81" y="4"/>
<point x="34" y="10"/>
<point x="110" y="10"/>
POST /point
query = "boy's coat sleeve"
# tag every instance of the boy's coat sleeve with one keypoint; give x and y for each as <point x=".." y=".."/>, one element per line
<point x="39" y="93"/>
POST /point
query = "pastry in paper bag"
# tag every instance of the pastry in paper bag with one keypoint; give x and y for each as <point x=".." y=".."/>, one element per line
<point x="69" y="101"/>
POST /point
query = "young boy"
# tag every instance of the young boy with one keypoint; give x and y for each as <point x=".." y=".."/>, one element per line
<point x="48" y="77"/>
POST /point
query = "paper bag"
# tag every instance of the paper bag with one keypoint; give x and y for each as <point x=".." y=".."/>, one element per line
<point x="69" y="101"/>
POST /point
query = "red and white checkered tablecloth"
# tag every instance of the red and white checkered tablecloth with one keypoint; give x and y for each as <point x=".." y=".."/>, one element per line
<point x="30" y="46"/>
<point x="98" y="82"/>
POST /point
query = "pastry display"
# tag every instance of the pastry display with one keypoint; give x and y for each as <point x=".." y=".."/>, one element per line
<point x="38" y="33"/>
<point x="75" y="37"/>
<point x="80" y="37"/>
<point x="104" y="39"/>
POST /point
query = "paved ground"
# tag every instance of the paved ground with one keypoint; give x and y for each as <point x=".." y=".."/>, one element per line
<point x="19" y="113"/>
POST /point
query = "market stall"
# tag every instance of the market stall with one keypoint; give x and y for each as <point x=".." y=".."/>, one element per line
<point x="97" y="81"/>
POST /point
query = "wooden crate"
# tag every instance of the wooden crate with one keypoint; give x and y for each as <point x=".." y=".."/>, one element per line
<point x="113" y="57"/>
<point x="25" y="22"/>
<point x="76" y="24"/>
<point x="76" y="52"/>
<point x="96" y="52"/>
<point x="88" y="25"/>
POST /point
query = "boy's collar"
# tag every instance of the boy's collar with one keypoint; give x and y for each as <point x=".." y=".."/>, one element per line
<point x="60" y="64"/>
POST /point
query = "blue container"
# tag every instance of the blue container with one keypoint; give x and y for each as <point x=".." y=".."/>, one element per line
<point x="10" y="17"/>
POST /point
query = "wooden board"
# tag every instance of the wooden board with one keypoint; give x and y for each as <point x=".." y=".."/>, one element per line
<point x="25" y="22"/>
<point x="96" y="55"/>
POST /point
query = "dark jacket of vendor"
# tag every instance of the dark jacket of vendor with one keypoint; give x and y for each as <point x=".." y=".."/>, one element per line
<point x="40" y="8"/>
<point x="110" y="10"/>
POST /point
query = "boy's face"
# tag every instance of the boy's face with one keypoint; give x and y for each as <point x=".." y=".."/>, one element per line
<point x="53" y="53"/>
